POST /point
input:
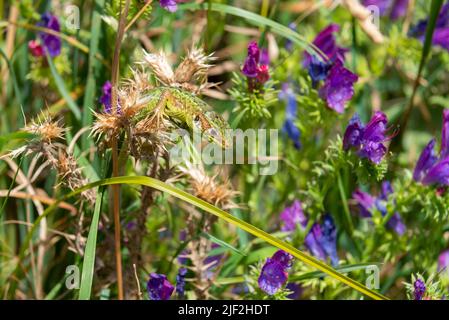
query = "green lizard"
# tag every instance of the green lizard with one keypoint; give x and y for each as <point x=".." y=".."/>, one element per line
<point x="186" y="109"/>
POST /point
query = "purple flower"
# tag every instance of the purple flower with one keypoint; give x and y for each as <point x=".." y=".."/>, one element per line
<point x="367" y="203"/>
<point x="419" y="289"/>
<point x="312" y="242"/>
<point x="50" y="42"/>
<point x="180" y="282"/>
<point x="443" y="261"/>
<point x="426" y="160"/>
<point x="318" y="70"/>
<point x="35" y="48"/>
<point x="399" y="9"/>
<point x="292" y="217"/>
<point x="274" y="272"/>
<point x="321" y="240"/>
<point x="106" y="98"/>
<point x="338" y="87"/>
<point x="250" y="67"/>
<point x="158" y="287"/>
<point x="264" y="57"/>
<point x="289" y="127"/>
<point x="431" y="169"/>
<point x="296" y="290"/>
<point x="367" y="140"/>
<point x="255" y="67"/>
<point x="441" y="33"/>
<point x="339" y="82"/>
<point x="445" y="135"/>
<point x="326" y="42"/>
<point x="396" y="8"/>
<point x="438" y="174"/>
<point x="169" y="5"/>
<point x="284" y="258"/>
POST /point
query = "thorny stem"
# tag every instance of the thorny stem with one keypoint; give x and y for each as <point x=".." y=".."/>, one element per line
<point x="115" y="171"/>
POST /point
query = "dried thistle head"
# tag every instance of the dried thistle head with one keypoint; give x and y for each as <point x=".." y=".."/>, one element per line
<point x="46" y="130"/>
<point x="159" y="65"/>
<point x="70" y="175"/>
<point x="213" y="189"/>
<point x="190" y="73"/>
<point x="193" y="67"/>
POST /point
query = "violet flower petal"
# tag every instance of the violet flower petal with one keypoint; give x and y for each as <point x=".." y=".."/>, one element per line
<point x="426" y="160"/>
<point x="338" y="87"/>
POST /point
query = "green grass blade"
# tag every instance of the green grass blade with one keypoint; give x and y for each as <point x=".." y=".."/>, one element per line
<point x="259" y="21"/>
<point x="222" y="243"/>
<point x="94" y="64"/>
<point x="89" y="254"/>
<point x="63" y="90"/>
<point x="180" y="194"/>
<point x="435" y="8"/>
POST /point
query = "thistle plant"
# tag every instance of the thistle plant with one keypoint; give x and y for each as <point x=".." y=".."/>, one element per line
<point x="141" y="95"/>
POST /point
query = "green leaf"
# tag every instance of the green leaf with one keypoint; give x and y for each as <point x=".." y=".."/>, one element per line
<point x="182" y="195"/>
<point x="63" y="90"/>
<point x="89" y="254"/>
<point x="94" y="64"/>
<point x="222" y="243"/>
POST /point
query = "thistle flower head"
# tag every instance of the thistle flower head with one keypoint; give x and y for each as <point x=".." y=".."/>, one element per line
<point x="47" y="130"/>
<point x="192" y="69"/>
<point x="212" y="189"/>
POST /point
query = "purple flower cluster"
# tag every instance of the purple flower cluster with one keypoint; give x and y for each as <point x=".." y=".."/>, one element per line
<point x="367" y="203"/>
<point x="106" y="97"/>
<point x="158" y="287"/>
<point x="292" y="217"/>
<point x="274" y="272"/>
<point x="431" y="169"/>
<point x="289" y="127"/>
<point x="170" y="5"/>
<point x="394" y="8"/>
<point x="181" y="282"/>
<point x="339" y="82"/>
<point x="441" y="33"/>
<point x="419" y="289"/>
<point x="256" y="64"/>
<point x="48" y="42"/>
<point x="322" y="240"/>
<point x="367" y="139"/>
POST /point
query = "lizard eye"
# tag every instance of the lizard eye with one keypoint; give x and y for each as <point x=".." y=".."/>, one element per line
<point x="197" y="121"/>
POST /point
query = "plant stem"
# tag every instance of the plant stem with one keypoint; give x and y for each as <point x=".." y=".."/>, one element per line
<point x="345" y="203"/>
<point x="115" y="171"/>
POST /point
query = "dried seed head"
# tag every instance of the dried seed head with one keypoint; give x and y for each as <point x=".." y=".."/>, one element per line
<point x="215" y="190"/>
<point x="159" y="65"/>
<point x="70" y="175"/>
<point x="193" y="67"/>
<point x="47" y="130"/>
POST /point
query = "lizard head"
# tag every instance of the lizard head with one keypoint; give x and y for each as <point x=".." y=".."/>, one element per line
<point x="213" y="128"/>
